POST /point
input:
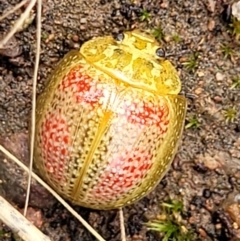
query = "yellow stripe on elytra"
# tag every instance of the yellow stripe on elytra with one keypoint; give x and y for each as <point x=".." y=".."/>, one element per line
<point x="104" y="123"/>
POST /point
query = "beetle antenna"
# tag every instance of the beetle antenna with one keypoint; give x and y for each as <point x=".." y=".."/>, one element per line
<point x="179" y="53"/>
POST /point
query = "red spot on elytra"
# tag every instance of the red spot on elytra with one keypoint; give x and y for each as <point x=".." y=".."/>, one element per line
<point x="55" y="142"/>
<point x="146" y="113"/>
<point x="88" y="90"/>
<point x="126" y="169"/>
<point x="123" y="173"/>
<point x="82" y="86"/>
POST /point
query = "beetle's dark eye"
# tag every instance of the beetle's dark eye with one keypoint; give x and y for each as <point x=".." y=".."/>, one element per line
<point x="119" y="37"/>
<point x="160" y="53"/>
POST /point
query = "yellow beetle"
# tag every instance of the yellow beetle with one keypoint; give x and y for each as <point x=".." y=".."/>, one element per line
<point x="109" y="121"/>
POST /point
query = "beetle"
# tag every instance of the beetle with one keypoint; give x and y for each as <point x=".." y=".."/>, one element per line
<point x="109" y="121"/>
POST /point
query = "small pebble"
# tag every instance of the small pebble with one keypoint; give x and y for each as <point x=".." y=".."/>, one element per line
<point x="34" y="216"/>
<point x="219" y="76"/>
<point x="200" y="74"/>
<point x="83" y="20"/>
<point x="11" y="49"/>
<point x="50" y="38"/>
<point x="198" y="91"/>
<point x="235" y="225"/>
<point x="211" y="5"/>
<point x="218" y="226"/>
<point x="207" y="193"/>
<point x="164" y="4"/>
<point x="234" y="211"/>
<point x="217" y="98"/>
<point x="211" y="163"/>
<point x="75" y="38"/>
<point x="167" y="38"/>
<point x="211" y="25"/>
<point x="202" y="232"/>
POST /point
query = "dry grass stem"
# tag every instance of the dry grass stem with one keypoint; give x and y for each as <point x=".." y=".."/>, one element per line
<point x="64" y="203"/>
<point x="18" y="24"/>
<point x="13" y="10"/>
<point x="34" y="91"/>
<point x="122" y="227"/>
<point x="19" y="224"/>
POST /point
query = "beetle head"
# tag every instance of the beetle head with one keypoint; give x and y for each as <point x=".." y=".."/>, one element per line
<point x="133" y="59"/>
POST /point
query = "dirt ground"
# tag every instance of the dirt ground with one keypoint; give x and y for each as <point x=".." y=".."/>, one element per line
<point x="205" y="174"/>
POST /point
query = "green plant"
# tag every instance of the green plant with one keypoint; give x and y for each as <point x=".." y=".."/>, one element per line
<point x="2" y="233"/>
<point x="173" y="206"/>
<point x="170" y="225"/>
<point x="44" y="35"/>
<point x="235" y="28"/>
<point x="176" y="38"/>
<point x="192" y="62"/>
<point x="192" y="122"/>
<point x="227" y="50"/>
<point x="145" y="15"/>
<point x="235" y="82"/>
<point x="230" y="114"/>
<point x="158" y="33"/>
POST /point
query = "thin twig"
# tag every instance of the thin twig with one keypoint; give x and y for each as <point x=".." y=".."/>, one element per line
<point x="18" y="24"/>
<point x="19" y="224"/>
<point x="64" y="203"/>
<point x="14" y="9"/>
<point x="34" y="91"/>
<point x="122" y="227"/>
